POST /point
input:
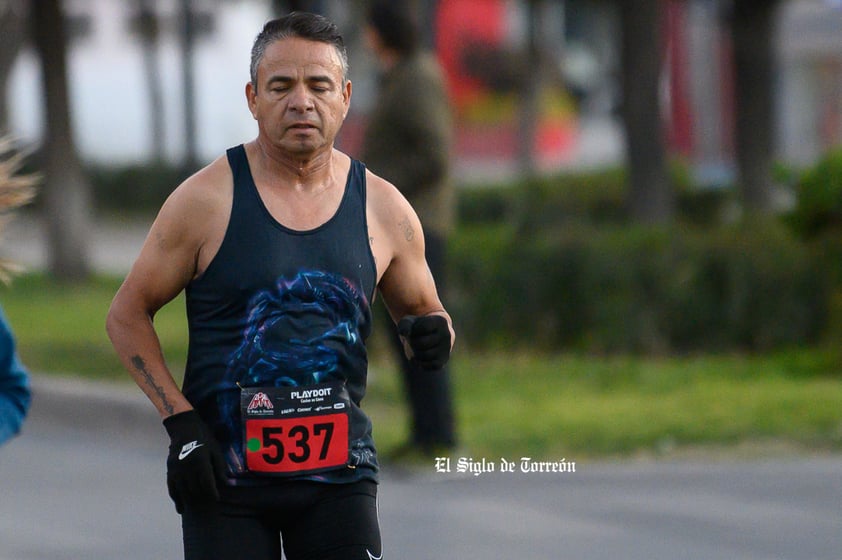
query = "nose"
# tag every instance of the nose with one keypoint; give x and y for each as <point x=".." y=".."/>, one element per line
<point x="300" y="99"/>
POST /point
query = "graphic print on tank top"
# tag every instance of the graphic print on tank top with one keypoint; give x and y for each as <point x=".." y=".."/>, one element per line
<point x="279" y="307"/>
<point x="304" y="331"/>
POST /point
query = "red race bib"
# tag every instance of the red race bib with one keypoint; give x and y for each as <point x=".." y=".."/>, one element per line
<point x="295" y="430"/>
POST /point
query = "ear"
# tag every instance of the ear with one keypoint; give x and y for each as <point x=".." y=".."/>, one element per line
<point x="346" y="98"/>
<point x="251" y="99"/>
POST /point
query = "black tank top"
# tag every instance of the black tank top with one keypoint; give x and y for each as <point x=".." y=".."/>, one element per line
<point x="282" y="307"/>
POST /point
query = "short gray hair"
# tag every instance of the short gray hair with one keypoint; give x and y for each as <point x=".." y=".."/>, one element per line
<point x="303" y="25"/>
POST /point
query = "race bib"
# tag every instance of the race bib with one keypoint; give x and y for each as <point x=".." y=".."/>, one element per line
<point x="295" y="430"/>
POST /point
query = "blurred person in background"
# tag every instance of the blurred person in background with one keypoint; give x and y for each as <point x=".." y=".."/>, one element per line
<point x="409" y="142"/>
<point x="15" y="396"/>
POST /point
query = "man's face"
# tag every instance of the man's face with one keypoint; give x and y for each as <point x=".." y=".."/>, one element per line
<point x="299" y="101"/>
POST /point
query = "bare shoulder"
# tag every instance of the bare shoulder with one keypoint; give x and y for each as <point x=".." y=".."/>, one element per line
<point x="200" y="199"/>
<point x="193" y="220"/>
<point x="393" y="226"/>
<point x="205" y="190"/>
<point x="386" y="203"/>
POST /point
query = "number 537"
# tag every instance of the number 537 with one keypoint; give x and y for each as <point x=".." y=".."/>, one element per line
<point x="296" y="444"/>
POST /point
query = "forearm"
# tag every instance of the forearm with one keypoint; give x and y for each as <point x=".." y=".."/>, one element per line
<point x="137" y="344"/>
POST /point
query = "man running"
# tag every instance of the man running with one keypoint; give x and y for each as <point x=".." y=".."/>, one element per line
<point x="279" y="246"/>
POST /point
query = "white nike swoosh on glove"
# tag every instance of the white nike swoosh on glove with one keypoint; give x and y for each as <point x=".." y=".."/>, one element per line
<point x="188" y="449"/>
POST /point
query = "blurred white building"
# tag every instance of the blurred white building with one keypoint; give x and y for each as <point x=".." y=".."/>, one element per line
<point x="111" y="109"/>
<point x="811" y="79"/>
<point x="109" y="95"/>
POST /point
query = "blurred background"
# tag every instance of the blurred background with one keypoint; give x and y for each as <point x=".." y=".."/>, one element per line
<point x="144" y="86"/>
<point x="645" y="272"/>
<point x="649" y="199"/>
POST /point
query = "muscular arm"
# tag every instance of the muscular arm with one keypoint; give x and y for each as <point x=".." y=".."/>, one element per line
<point x="166" y="264"/>
<point x="406" y="284"/>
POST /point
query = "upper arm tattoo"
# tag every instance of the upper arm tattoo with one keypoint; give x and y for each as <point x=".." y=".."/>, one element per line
<point x="407" y="229"/>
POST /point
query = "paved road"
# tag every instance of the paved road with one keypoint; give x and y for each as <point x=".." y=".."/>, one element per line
<point x="85" y="481"/>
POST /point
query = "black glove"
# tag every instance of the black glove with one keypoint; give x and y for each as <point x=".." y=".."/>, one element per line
<point x="195" y="464"/>
<point x="428" y="340"/>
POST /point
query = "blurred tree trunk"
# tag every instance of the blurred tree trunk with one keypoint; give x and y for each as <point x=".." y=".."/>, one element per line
<point x="752" y="33"/>
<point x="12" y="35"/>
<point x="187" y="43"/>
<point x="528" y="89"/>
<point x="651" y="199"/>
<point x="148" y="30"/>
<point x="67" y="193"/>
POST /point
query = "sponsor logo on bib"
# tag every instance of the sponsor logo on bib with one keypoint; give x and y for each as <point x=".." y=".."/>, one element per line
<point x="260" y="404"/>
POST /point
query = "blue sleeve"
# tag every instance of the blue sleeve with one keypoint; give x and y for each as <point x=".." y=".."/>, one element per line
<point x="14" y="385"/>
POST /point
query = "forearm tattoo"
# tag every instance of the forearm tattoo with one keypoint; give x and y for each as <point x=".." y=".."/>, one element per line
<point x="140" y="366"/>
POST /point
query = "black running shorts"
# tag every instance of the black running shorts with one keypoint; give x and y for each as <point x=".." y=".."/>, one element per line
<point x="310" y="520"/>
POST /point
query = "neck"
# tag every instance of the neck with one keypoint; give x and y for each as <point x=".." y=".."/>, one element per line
<point x="304" y="171"/>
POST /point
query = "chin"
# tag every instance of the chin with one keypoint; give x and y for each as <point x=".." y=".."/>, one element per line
<point x="304" y="148"/>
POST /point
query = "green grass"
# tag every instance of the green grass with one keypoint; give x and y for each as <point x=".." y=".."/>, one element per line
<point x="510" y="404"/>
<point x="584" y="406"/>
<point x="61" y="328"/>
